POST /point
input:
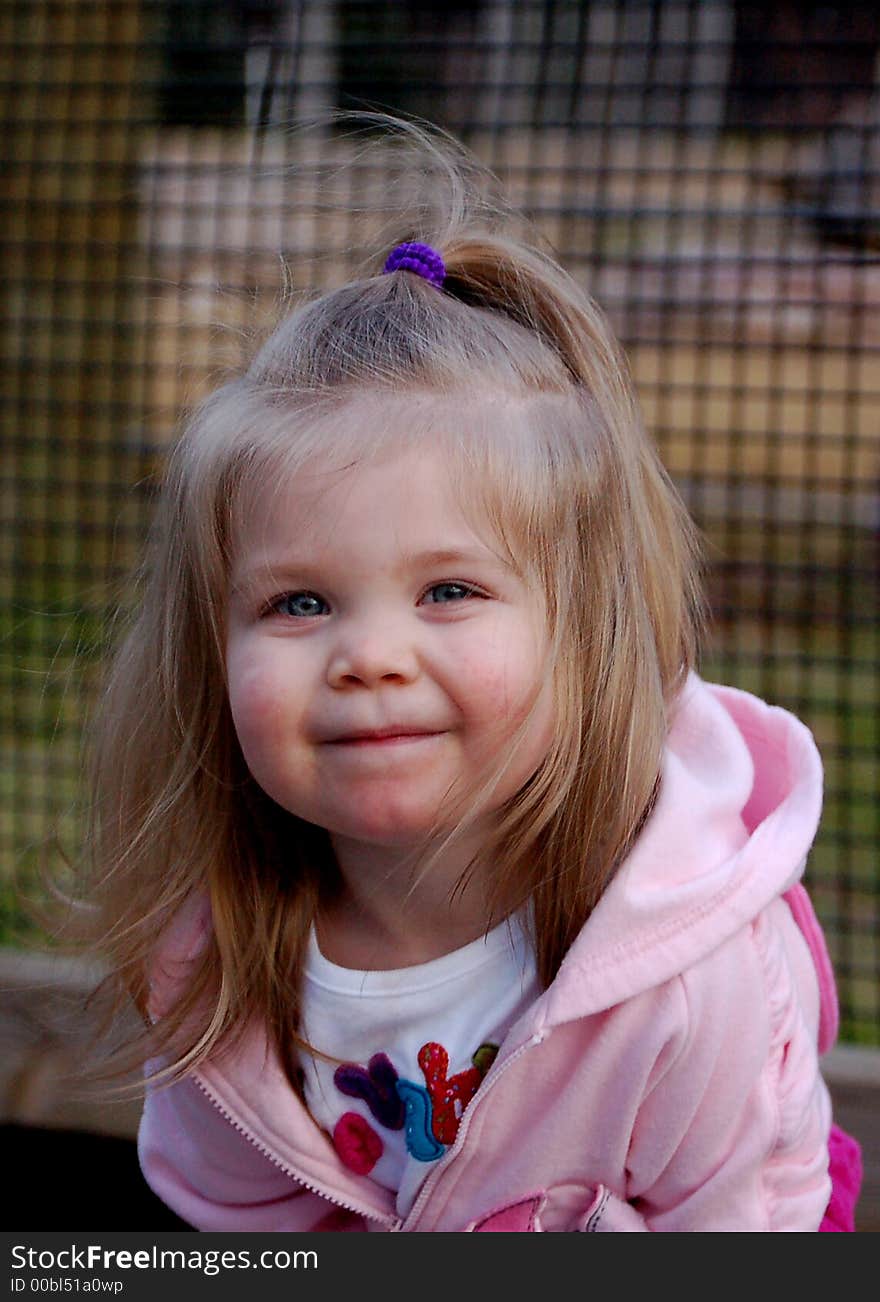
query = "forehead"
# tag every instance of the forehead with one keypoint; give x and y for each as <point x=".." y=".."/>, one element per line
<point x="416" y="465"/>
<point x="407" y="492"/>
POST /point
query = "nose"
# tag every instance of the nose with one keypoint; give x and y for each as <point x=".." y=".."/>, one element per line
<point x="368" y="657"/>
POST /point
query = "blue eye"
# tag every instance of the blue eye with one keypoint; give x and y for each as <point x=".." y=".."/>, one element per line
<point x="300" y="605"/>
<point x="443" y="593"/>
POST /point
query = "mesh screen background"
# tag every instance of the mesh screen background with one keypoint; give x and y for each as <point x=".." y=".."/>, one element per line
<point x="710" y="171"/>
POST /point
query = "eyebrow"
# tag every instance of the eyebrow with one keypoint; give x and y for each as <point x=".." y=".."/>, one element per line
<point x="452" y="556"/>
<point x="289" y="567"/>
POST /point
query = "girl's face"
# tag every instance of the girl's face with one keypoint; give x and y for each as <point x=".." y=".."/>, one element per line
<point x="381" y="653"/>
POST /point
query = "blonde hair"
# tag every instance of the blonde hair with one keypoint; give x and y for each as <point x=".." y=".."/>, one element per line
<point x="568" y="480"/>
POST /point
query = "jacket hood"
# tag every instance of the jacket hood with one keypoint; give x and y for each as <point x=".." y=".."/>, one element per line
<point x="737" y="811"/>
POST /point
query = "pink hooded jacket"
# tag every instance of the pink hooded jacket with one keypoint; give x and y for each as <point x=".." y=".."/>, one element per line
<point x="667" y="1079"/>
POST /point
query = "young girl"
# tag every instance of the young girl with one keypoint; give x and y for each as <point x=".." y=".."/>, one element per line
<point x="454" y="898"/>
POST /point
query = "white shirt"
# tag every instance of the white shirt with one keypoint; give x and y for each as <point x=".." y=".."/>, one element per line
<point x="409" y="1050"/>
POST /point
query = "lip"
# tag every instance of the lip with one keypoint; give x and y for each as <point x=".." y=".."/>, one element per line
<point x="381" y="736"/>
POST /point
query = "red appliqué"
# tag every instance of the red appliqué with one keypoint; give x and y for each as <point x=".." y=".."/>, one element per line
<point x="450" y="1095"/>
<point x="357" y="1143"/>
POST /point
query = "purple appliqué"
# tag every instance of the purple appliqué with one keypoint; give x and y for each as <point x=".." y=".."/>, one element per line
<point x="376" y="1085"/>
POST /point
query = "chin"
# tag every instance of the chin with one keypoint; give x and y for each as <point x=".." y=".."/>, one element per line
<point x="392" y="827"/>
<point x="394" y="835"/>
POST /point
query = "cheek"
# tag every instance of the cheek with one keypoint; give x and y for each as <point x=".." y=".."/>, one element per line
<point x="500" y="678"/>
<point x="255" y="703"/>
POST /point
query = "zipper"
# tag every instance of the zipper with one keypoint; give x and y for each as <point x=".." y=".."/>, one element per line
<point x="464" y="1125"/>
<point x="389" y="1223"/>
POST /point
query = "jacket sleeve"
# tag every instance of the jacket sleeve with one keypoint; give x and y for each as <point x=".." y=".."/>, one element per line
<point x="732" y="1131"/>
<point x="187" y="1151"/>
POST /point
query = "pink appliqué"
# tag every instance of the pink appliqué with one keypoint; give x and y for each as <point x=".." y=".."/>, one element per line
<point x="357" y="1143"/>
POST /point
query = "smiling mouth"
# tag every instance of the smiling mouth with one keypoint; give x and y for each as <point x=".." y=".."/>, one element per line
<point x="382" y="738"/>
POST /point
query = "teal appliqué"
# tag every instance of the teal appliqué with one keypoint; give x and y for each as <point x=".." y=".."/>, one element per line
<point x="420" y="1141"/>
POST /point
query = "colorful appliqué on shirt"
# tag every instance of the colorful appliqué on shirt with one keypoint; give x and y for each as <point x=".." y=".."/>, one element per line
<point x="376" y="1085"/>
<point x="357" y="1143"/>
<point x="430" y="1114"/>
<point x="450" y="1095"/>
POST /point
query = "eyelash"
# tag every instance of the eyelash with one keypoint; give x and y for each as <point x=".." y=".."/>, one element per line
<point x="469" y="590"/>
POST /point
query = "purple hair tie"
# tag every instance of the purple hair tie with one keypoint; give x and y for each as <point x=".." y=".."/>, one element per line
<point x="420" y="259"/>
